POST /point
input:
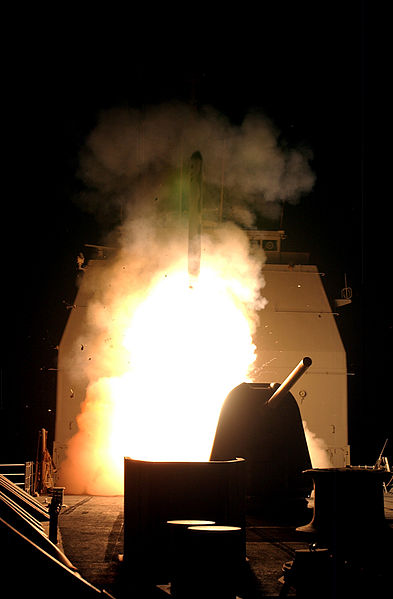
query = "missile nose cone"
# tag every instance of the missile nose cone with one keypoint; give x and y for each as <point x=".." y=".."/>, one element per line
<point x="196" y="165"/>
<point x="196" y="156"/>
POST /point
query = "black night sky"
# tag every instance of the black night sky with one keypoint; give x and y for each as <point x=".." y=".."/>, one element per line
<point x="311" y="67"/>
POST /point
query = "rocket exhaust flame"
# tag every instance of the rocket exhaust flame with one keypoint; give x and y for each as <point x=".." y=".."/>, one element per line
<point x="175" y="353"/>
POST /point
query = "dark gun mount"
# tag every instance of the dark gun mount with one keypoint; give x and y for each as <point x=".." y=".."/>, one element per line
<point x="273" y="443"/>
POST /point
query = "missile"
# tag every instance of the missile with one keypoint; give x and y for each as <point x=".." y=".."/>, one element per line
<point x="195" y="216"/>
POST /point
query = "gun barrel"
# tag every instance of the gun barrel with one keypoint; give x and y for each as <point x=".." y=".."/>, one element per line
<point x="291" y="379"/>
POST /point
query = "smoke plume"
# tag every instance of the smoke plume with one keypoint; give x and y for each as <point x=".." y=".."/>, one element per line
<point x="136" y="160"/>
<point x="317" y="448"/>
<point x="139" y="356"/>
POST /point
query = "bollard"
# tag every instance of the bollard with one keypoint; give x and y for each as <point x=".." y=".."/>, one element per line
<point x="177" y="541"/>
<point x="338" y="521"/>
<point x="210" y="563"/>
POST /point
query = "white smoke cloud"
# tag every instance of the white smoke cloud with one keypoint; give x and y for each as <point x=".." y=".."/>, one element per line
<point x="133" y="159"/>
<point x="317" y="448"/>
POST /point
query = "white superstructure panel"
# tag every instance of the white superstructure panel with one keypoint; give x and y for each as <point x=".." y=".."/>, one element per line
<point x="73" y="358"/>
<point x="297" y="322"/>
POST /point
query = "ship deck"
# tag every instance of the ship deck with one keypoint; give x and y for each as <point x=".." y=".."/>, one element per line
<point x="91" y="536"/>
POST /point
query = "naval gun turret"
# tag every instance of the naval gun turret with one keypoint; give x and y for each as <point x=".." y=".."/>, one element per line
<point x="261" y="423"/>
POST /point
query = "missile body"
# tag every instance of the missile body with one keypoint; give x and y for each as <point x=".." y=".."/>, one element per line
<point x="195" y="216"/>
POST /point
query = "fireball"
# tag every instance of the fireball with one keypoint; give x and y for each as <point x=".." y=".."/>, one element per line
<point x="182" y="348"/>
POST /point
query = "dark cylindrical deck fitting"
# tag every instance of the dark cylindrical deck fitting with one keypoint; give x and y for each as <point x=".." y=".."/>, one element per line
<point x="291" y="379"/>
<point x="177" y="531"/>
<point x="156" y="492"/>
<point x="211" y="563"/>
<point x="348" y="506"/>
<point x="226" y="544"/>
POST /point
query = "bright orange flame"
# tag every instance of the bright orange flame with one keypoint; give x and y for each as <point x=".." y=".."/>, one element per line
<point x="189" y="347"/>
<point x="186" y="348"/>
